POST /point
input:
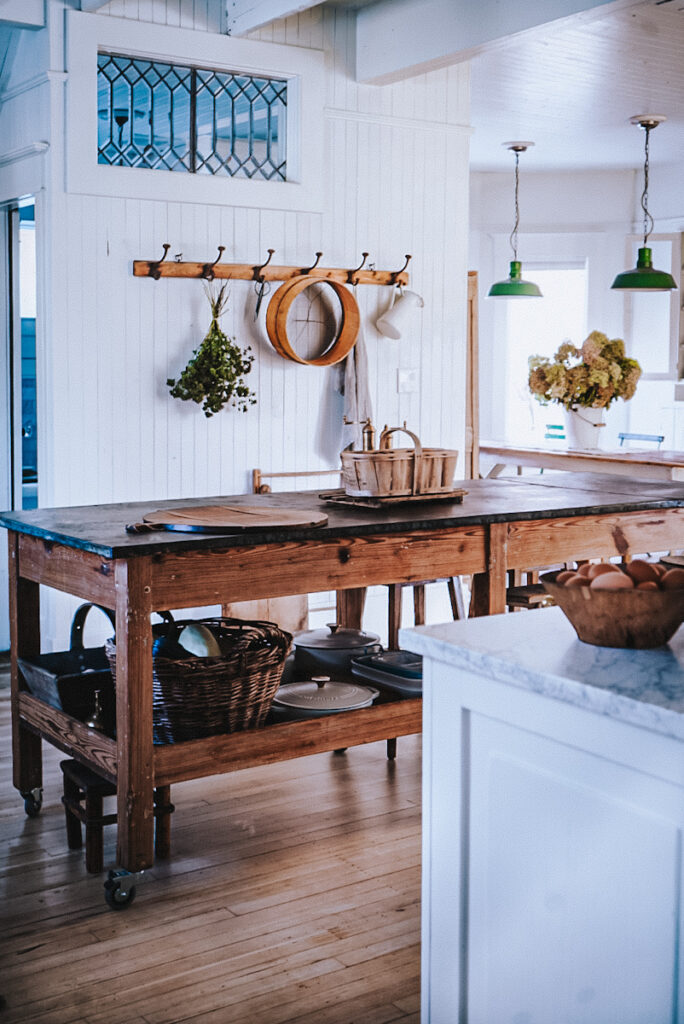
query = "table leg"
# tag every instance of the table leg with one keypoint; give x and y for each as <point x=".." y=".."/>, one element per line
<point x="135" y="753"/>
<point x="394" y="594"/>
<point x="27" y="757"/>
<point x="489" y="588"/>
<point x="350" y="605"/>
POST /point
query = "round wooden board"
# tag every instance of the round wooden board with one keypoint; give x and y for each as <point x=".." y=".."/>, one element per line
<point x="224" y="518"/>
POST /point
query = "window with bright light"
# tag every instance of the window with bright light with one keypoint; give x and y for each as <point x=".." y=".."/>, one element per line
<point x="652" y="317"/>
<point x="538" y="327"/>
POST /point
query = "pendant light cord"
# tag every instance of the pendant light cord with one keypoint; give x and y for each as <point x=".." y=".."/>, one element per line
<point x="648" y="219"/>
<point x="513" y="239"/>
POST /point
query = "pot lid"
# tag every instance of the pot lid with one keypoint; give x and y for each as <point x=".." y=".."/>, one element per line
<point x="320" y="694"/>
<point x="335" y="637"/>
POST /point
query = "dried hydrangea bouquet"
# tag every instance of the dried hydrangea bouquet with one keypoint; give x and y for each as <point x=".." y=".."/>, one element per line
<point x="585" y="381"/>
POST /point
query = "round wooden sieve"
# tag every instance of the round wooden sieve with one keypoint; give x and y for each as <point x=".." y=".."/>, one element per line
<point x="279" y="308"/>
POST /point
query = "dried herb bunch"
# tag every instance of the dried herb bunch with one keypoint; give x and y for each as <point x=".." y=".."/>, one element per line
<point x="215" y="375"/>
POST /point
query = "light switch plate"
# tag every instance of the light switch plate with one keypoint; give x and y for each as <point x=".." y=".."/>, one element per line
<point x="407" y="379"/>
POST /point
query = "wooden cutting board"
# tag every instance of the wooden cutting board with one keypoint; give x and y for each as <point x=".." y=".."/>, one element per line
<point x="233" y="518"/>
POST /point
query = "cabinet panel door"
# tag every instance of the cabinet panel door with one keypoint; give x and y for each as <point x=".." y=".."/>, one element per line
<point x="574" y="893"/>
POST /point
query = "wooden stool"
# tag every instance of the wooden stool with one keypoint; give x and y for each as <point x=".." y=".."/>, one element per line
<point x="458" y="609"/>
<point x="84" y="792"/>
<point x="531" y="595"/>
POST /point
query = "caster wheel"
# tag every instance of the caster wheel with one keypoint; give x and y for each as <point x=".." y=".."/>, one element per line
<point x="32" y="805"/>
<point x="116" y="897"/>
<point x="340" y="750"/>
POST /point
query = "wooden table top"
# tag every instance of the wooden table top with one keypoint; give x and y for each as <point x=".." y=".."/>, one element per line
<point x="101" y="529"/>
<point x="631" y="456"/>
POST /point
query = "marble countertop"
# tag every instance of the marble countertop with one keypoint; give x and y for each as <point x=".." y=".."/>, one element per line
<point x="539" y="651"/>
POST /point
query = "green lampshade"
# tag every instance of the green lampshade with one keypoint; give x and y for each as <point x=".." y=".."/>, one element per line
<point x="644" y="277"/>
<point x="514" y="287"/>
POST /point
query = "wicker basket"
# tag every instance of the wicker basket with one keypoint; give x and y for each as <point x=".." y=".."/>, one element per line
<point x="198" y="697"/>
<point x="396" y="472"/>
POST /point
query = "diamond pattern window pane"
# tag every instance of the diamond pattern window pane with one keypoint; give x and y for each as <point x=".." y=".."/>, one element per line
<point x="174" y="118"/>
<point x="240" y="125"/>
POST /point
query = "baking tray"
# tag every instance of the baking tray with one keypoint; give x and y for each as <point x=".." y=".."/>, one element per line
<point x="363" y="668"/>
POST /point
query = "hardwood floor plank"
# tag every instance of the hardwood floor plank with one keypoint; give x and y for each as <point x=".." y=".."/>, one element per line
<point x="292" y="896"/>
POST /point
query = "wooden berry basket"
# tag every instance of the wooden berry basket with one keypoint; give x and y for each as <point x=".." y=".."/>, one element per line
<point x="395" y="472"/>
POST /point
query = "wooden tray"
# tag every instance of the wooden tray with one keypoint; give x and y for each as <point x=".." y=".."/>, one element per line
<point x="340" y="497"/>
<point x="226" y="519"/>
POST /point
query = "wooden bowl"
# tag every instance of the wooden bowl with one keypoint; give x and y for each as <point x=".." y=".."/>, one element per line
<point x="619" y="618"/>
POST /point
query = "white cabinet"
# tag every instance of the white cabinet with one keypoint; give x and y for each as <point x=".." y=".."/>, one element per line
<point x="552" y="818"/>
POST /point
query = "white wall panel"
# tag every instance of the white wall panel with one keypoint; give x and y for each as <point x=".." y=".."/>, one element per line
<point x="395" y="182"/>
<point x="202" y="15"/>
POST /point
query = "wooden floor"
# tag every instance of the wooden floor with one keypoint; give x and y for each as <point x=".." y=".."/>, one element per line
<point x="292" y="895"/>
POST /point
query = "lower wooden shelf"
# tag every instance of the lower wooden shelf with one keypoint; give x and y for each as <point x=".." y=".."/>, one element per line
<point x="216" y="755"/>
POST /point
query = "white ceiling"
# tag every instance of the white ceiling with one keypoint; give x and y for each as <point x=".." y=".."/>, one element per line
<point x="572" y="89"/>
<point x="572" y="86"/>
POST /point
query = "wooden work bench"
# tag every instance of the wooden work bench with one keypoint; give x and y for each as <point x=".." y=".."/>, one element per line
<point x="87" y="552"/>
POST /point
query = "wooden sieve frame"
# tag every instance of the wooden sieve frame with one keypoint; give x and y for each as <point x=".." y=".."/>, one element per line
<point x="279" y="308"/>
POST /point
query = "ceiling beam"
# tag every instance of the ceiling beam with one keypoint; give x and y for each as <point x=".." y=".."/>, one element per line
<point x="22" y="13"/>
<point x="93" y="5"/>
<point x="399" y="38"/>
<point x="244" y="16"/>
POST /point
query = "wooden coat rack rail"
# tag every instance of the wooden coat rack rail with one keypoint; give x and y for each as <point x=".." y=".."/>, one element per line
<point x="266" y="271"/>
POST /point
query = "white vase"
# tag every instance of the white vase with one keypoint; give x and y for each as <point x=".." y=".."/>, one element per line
<point x="584" y="426"/>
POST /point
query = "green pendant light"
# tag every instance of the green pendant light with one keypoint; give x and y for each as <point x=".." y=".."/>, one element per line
<point x="514" y="287"/>
<point x="645" y="277"/>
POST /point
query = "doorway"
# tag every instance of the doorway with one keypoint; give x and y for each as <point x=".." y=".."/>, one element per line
<point x="18" y="376"/>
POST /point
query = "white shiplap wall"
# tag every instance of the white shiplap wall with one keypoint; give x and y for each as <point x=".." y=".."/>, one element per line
<point x="396" y="169"/>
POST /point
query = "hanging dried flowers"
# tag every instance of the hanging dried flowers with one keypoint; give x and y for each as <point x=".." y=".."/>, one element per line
<point x="214" y="377"/>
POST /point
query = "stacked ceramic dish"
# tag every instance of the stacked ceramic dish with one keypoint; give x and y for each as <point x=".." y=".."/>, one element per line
<point x="397" y="671"/>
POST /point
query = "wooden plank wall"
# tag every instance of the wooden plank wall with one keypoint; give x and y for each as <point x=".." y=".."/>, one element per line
<point x="396" y="162"/>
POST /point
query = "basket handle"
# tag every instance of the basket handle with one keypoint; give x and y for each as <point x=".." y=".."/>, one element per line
<point x="384" y="446"/>
<point x="80" y="615"/>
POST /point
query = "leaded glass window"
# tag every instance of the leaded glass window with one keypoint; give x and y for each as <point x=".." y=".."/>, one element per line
<point x="175" y="118"/>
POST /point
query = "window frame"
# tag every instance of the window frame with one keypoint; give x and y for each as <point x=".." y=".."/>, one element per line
<point x="302" y="68"/>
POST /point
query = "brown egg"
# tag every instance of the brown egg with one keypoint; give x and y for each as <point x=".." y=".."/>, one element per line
<point x="659" y="568"/>
<point x="599" y="568"/>
<point x="641" y="571"/>
<point x="564" y="576"/>
<point x="612" y="581"/>
<point x="648" y="585"/>
<point x="578" y="581"/>
<point x="673" y="579"/>
<point x="583" y="570"/>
